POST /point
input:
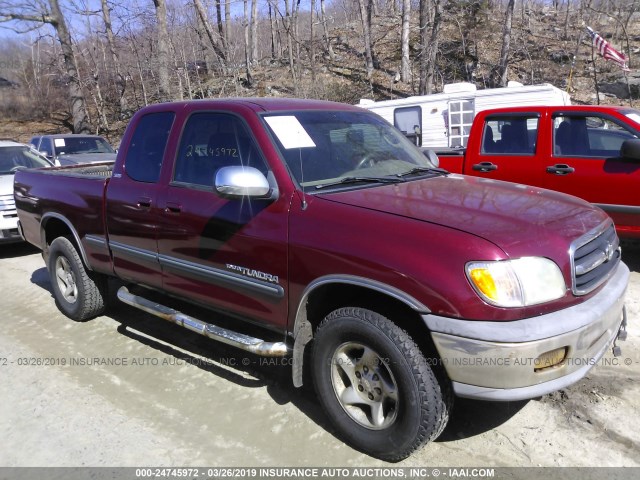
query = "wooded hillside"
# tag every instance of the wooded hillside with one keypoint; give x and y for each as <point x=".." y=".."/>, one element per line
<point x="87" y="65"/>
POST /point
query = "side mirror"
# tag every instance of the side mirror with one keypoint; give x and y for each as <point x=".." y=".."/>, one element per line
<point x="630" y="150"/>
<point x="242" y="182"/>
<point x="432" y="157"/>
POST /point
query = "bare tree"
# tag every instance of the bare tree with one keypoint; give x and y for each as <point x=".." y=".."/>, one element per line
<point x="217" y="43"/>
<point x="33" y="12"/>
<point x="365" y="18"/>
<point x="254" y="32"/>
<point x="164" y="88"/>
<point x="327" y="39"/>
<point x="247" y="50"/>
<point x="429" y="35"/>
<point x="120" y="81"/>
<point x="501" y="73"/>
<point x="405" y="70"/>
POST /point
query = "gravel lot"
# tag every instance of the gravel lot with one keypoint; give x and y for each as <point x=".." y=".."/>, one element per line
<point x="126" y="389"/>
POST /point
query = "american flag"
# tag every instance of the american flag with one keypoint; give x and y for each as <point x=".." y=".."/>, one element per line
<point x="607" y="51"/>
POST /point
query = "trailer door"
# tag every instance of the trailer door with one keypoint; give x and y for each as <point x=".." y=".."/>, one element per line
<point x="460" y="118"/>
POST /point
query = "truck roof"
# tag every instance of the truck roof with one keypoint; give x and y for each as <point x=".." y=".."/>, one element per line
<point x="563" y="108"/>
<point x="271" y="104"/>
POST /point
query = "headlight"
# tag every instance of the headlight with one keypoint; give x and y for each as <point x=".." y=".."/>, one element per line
<point x="517" y="283"/>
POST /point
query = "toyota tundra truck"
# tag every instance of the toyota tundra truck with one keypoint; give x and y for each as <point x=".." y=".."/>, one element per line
<point x="315" y="231"/>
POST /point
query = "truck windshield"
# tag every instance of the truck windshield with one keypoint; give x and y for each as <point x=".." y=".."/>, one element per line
<point x="326" y="147"/>
<point x="15" y="158"/>
<point x="78" y="144"/>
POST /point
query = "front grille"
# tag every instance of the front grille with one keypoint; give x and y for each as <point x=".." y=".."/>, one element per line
<point x="594" y="257"/>
<point x="7" y="202"/>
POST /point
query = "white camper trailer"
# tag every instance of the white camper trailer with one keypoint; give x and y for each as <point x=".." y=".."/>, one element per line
<point x="444" y="119"/>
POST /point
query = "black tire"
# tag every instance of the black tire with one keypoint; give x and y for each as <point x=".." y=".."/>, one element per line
<point x="370" y="416"/>
<point x="79" y="294"/>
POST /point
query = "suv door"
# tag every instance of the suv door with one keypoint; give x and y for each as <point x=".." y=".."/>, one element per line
<point x="228" y="253"/>
<point x="508" y="150"/>
<point x="586" y="163"/>
<point x="132" y="208"/>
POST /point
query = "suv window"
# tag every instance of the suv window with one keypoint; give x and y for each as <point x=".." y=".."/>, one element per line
<point x="588" y="136"/>
<point x="211" y="141"/>
<point x="146" y="150"/>
<point x="46" y="147"/>
<point x="510" y="135"/>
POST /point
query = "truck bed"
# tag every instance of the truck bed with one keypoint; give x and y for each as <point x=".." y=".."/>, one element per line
<point x="70" y="198"/>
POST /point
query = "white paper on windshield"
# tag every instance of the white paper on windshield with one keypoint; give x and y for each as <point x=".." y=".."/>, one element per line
<point x="634" y="116"/>
<point x="290" y="132"/>
<point x="58" y="142"/>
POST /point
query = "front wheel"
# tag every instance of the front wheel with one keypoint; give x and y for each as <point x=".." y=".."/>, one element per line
<point x="79" y="294"/>
<point x="376" y="386"/>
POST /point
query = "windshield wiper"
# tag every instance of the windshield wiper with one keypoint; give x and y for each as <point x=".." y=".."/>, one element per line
<point x="348" y="180"/>
<point x="416" y="170"/>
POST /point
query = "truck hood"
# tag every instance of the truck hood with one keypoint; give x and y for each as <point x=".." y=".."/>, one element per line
<point x="518" y="218"/>
<point x="78" y="158"/>
<point x="6" y="184"/>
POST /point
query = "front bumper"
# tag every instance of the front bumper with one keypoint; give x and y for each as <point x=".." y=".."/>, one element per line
<point x="497" y="360"/>
<point x="9" y="227"/>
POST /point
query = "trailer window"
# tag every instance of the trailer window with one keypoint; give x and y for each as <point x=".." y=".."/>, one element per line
<point x="409" y="121"/>
<point x="461" y="113"/>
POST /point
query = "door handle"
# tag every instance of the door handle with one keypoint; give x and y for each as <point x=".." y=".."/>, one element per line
<point x="560" y="169"/>
<point x="173" y="207"/>
<point x="484" y="167"/>
<point x="144" y="202"/>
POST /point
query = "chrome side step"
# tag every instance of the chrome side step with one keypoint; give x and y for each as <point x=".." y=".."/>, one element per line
<point x="239" y="340"/>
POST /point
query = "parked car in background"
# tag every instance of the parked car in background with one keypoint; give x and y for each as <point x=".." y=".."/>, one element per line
<point x="72" y="149"/>
<point x="13" y="157"/>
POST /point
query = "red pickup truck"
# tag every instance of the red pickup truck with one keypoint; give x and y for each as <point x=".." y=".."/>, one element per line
<point x="592" y="152"/>
<point x="315" y="231"/>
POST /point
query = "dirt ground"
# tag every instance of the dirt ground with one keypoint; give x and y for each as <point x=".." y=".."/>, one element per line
<point x="168" y="397"/>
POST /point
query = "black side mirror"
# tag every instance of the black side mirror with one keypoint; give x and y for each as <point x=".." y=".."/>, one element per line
<point x="630" y="150"/>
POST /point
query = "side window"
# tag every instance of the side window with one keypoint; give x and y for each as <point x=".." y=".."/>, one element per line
<point x="46" y="147"/>
<point x="588" y="136"/>
<point x="409" y="121"/>
<point x="211" y="141"/>
<point x="510" y="135"/>
<point x="146" y="151"/>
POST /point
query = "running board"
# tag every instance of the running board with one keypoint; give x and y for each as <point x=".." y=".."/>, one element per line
<point x="239" y="340"/>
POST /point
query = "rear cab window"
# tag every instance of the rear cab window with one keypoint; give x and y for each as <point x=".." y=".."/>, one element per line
<point x="146" y="149"/>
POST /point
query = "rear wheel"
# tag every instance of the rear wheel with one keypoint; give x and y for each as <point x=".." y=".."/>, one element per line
<point x="376" y="385"/>
<point x="79" y="294"/>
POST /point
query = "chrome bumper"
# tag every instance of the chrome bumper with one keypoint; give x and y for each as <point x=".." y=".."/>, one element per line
<point x="496" y="360"/>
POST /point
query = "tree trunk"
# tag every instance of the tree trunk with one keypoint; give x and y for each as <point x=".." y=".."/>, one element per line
<point x="247" y="53"/>
<point x="216" y="44"/>
<point x="287" y="27"/>
<point x="164" y="89"/>
<point x="405" y="70"/>
<point x="501" y="75"/>
<point x="227" y="24"/>
<point x="327" y="39"/>
<point x="121" y="83"/>
<point x="78" y="104"/>
<point x="312" y="49"/>
<point x="366" y="33"/>
<point x="429" y="44"/>
<point x="221" y="32"/>
<point x="254" y="32"/>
